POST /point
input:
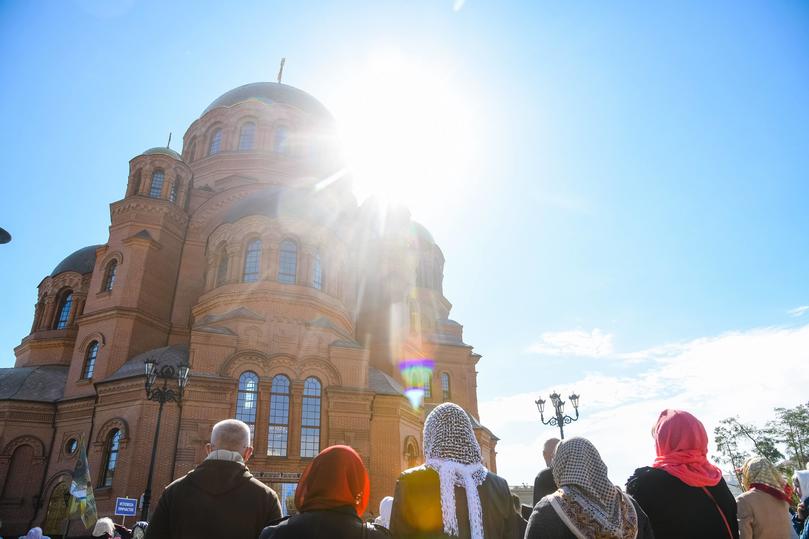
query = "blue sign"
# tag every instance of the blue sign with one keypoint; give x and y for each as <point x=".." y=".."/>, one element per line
<point x="126" y="507"/>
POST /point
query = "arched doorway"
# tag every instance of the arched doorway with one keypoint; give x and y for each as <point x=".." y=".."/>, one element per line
<point x="57" y="511"/>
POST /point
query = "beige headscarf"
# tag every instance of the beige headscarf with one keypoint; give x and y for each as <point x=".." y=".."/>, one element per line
<point x="760" y="473"/>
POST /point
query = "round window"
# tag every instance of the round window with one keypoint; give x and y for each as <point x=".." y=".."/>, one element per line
<point x="71" y="446"/>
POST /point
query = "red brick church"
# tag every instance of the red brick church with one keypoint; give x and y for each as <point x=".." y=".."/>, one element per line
<point x="247" y="258"/>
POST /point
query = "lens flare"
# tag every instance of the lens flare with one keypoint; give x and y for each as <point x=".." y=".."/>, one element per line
<point x="417" y="374"/>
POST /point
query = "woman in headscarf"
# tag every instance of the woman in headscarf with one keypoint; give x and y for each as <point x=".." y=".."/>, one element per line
<point x="104" y="527"/>
<point x="683" y="494"/>
<point x="452" y="494"/>
<point x="139" y="529"/>
<point x="764" y="507"/>
<point x="384" y="512"/>
<point x="331" y="497"/>
<point x="586" y="505"/>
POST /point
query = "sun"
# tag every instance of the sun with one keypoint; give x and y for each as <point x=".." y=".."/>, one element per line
<point x="407" y="132"/>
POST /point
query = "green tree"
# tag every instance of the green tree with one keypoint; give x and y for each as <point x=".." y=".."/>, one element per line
<point x="791" y="428"/>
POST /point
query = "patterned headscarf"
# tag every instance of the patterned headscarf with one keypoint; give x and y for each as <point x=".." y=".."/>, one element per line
<point x="587" y="502"/>
<point x="759" y="473"/>
<point x="451" y="449"/>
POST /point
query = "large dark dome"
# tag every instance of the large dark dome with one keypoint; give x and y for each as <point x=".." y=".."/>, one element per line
<point x="271" y="92"/>
<point x="81" y="261"/>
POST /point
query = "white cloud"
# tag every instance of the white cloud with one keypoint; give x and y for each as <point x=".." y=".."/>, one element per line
<point x="745" y="373"/>
<point x="576" y="343"/>
<point x="798" y="311"/>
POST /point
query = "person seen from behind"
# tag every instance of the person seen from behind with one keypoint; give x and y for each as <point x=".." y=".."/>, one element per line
<point x="218" y="498"/>
<point x="764" y="506"/>
<point x="331" y="498"/>
<point x="452" y="494"/>
<point x="544" y="484"/>
<point x="587" y="504"/>
<point x="684" y="494"/>
<point x="34" y="533"/>
<point x="384" y="512"/>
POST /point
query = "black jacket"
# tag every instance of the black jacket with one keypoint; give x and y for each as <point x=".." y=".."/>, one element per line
<point x="544" y="484"/>
<point x="677" y="510"/>
<point x="217" y="499"/>
<point x="546" y="524"/>
<point x="416" y="512"/>
<point x="337" y="523"/>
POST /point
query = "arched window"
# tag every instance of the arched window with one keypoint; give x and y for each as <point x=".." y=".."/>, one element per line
<point x="109" y="276"/>
<point x="288" y="262"/>
<point x="445" y="395"/>
<point x="192" y="147"/>
<point x="411" y="453"/>
<point x="310" y="418"/>
<point x="222" y="269"/>
<point x="64" y="310"/>
<point x="279" y="417"/>
<point x="57" y="510"/>
<point x="428" y="388"/>
<point x="173" y="191"/>
<point x="19" y="481"/>
<point x="247" y="399"/>
<point x="156" y="190"/>
<point x="252" y="262"/>
<point x="110" y="458"/>
<point x="280" y="144"/>
<point x="247" y="137"/>
<point x="90" y="361"/>
<point x="317" y="273"/>
<point x="216" y="142"/>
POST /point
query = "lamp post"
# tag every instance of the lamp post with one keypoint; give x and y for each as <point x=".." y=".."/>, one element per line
<point x="559" y="418"/>
<point x="162" y="394"/>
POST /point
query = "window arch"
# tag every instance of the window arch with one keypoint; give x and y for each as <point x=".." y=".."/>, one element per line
<point x="247" y="399"/>
<point x="156" y="189"/>
<point x="216" y="142"/>
<point x="247" y="137"/>
<point x="445" y="393"/>
<point x="280" y="140"/>
<point x="317" y="272"/>
<point x="192" y="146"/>
<point x="411" y="452"/>
<point x="310" y="418"/>
<point x="278" y="435"/>
<point x="57" y="510"/>
<point x="252" y="262"/>
<point x="288" y="262"/>
<point x="428" y="387"/>
<point x="111" y="449"/>
<point x="63" y="313"/>
<point x="90" y="361"/>
<point x="109" y="276"/>
<point x="222" y="268"/>
<point x="136" y="183"/>
<point x="173" y="190"/>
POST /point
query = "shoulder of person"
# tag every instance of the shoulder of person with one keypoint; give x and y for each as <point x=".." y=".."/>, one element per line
<point x="270" y="530"/>
<point x="644" y="475"/>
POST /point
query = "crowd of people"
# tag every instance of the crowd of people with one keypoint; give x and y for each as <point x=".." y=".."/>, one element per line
<point x="681" y="495"/>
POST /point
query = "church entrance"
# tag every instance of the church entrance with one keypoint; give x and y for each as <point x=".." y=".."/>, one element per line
<point x="57" y="511"/>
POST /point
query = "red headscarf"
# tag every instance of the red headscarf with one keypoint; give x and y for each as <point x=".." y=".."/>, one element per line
<point x="334" y="479"/>
<point x="682" y="449"/>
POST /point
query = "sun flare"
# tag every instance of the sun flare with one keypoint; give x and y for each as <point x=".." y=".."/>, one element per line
<point x="406" y="131"/>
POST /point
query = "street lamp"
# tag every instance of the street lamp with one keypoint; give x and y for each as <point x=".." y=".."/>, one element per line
<point x="161" y="394"/>
<point x="559" y="419"/>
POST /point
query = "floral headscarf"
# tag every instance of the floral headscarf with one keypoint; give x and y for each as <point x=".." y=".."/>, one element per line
<point x="587" y="502"/>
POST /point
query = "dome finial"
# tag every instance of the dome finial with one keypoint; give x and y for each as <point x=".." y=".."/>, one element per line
<point x="168" y="144"/>
<point x="281" y="70"/>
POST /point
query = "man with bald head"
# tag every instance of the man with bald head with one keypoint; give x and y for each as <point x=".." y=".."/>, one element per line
<point x="220" y="497"/>
<point x="544" y="483"/>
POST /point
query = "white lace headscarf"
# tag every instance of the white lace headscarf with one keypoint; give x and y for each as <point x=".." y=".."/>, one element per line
<point x="451" y="449"/>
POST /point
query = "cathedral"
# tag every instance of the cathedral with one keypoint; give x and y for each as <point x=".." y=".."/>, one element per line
<point x="245" y="266"/>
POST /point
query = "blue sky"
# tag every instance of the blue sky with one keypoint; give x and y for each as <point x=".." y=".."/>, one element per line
<point x="638" y="179"/>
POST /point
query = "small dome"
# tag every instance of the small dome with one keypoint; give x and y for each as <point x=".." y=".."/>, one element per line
<point x="421" y="232"/>
<point x="163" y="150"/>
<point x="82" y="261"/>
<point x="271" y="92"/>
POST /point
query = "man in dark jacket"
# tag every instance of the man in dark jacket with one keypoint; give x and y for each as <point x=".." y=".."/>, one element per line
<point x="219" y="498"/>
<point x="544" y="483"/>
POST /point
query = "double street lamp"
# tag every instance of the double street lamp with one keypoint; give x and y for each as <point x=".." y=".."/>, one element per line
<point x="559" y="418"/>
<point x="162" y="394"/>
